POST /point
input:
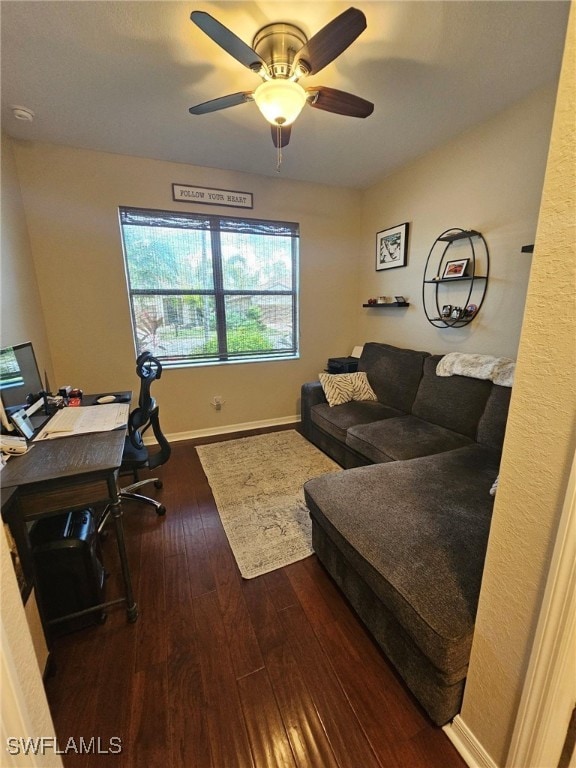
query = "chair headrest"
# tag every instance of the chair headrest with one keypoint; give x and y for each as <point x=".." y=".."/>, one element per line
<point x="148" y="366"/>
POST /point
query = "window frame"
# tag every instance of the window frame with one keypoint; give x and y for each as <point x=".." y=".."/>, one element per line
<point x="215" y="224"/>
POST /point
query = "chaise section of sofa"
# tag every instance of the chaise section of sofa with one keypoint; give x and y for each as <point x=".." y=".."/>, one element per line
<point x="406" y="541"/>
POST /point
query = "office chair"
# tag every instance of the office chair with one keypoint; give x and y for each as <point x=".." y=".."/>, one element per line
<point x="136" y="455"/>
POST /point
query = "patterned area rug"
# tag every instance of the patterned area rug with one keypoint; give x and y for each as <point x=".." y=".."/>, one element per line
<point x="257" y="484"/>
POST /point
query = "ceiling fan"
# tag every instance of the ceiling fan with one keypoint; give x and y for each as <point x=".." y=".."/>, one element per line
<point x="281" y="54"/>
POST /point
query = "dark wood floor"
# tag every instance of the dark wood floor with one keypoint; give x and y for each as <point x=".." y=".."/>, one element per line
<point x="219" y="672"/>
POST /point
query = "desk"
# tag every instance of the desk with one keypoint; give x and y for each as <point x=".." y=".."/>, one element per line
<point x="63" y="474"/>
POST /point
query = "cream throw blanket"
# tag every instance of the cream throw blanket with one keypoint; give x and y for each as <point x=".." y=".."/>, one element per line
<point x="499" y="370"/>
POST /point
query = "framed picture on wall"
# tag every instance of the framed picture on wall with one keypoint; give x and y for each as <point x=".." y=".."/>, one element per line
<point x="455" y="269"/>
<point x="392" y="247"/>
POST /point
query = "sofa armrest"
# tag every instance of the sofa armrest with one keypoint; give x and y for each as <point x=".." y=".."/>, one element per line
<point x="311" y="394"/>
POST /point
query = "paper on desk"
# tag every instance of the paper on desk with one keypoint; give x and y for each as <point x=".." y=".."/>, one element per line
<point x="100" y="418"/>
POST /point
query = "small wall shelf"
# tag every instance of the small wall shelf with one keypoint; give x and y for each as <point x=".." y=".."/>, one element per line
<point x="388" y="304"/>
<point x="457" y="234"/>
<point x="456" y="279"/>
<point x="435" y="290"/>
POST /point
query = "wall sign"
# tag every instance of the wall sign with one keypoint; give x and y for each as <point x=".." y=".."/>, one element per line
<point x="183" y="193"/>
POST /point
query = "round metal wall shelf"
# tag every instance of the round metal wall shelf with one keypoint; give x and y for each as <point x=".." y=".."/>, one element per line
<point x="464" y="263"/>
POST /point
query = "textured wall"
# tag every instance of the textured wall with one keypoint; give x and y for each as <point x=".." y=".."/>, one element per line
<point x="21" y="309"/>
<point x="22" y="320"/>
<point x="488" y="179"/>
<point x="24" y="702"/>
<point x="71" y="198"/>
<point x="538" y="451"/>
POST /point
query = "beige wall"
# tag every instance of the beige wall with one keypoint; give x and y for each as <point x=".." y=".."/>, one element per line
<point x="24" y="707"/>
<point x="71" y="199"/>
<point x="25" y="711"/>
<point x="538" y="451"/>
<point x="21" y="311"/>
<point x="488" y="179"/>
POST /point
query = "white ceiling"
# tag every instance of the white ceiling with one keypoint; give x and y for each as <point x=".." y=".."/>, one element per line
<point x="120" y="76"/>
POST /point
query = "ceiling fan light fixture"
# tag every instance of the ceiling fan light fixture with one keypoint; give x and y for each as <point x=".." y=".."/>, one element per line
<point x="280" y="101"/>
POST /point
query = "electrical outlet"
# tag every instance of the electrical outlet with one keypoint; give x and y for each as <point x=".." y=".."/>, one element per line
<point x="217" y="402"/>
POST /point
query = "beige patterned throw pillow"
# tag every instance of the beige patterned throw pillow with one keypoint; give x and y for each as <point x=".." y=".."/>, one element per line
<point x="342" y="388"/>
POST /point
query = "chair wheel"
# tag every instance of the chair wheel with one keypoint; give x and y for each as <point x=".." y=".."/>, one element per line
<point x="158" y="484"/>
<point x="161" y="511"/>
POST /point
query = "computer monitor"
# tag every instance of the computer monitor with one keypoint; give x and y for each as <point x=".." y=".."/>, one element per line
<point x="19" y="375"/>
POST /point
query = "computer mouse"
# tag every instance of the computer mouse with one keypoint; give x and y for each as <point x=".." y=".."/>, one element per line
<point x="106" y="399"/>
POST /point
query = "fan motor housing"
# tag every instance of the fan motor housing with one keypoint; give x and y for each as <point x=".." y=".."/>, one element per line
<point x="278" y="45"/>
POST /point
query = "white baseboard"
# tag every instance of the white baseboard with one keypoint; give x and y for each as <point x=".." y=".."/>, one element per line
<point x="226" y="430"/>
<point x="470" y="749"/>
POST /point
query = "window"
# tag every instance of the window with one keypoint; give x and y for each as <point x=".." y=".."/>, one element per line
<point x="211" y="288"/>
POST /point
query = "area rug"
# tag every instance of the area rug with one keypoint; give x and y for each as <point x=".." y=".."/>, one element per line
<point x="257" y="485"/>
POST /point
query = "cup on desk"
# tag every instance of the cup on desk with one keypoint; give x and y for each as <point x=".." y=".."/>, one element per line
<point x="75" y="397"/>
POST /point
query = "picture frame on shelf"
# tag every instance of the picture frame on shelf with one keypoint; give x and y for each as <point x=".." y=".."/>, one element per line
<point x="392" y="247"/>
<point x="400" y="300"/>
<point x="455" y="269"/>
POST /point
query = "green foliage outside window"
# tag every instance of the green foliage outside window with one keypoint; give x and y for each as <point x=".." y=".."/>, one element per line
<point x="210" y="288"/>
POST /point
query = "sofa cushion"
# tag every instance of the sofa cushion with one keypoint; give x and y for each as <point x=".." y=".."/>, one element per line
<point x="405" y="437"/>
<point x="456" y="402"/>
<point x="337" y="420"/>
<point x="416" y="532"/>
<point x="492" y="425"/>
<point x="394" y="373"/>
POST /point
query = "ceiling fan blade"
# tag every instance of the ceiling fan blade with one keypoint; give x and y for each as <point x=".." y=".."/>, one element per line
<point x="331" y="40"/>
<point x="340" y="102"/>
<point x="227" y="40"/>
<point x="280" y="135"/>
<point x="221" y="103"/>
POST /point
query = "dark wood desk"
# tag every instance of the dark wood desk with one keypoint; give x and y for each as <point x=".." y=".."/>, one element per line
<point x="64" y="474"/>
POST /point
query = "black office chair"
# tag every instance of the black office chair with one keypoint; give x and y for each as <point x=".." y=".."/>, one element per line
<point x="136" y="455"/>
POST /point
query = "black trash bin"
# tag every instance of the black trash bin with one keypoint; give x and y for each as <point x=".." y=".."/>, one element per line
<point x="68" y="562"/>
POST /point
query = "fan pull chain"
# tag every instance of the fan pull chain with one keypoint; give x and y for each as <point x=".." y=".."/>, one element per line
<point x="278" y="148"/>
